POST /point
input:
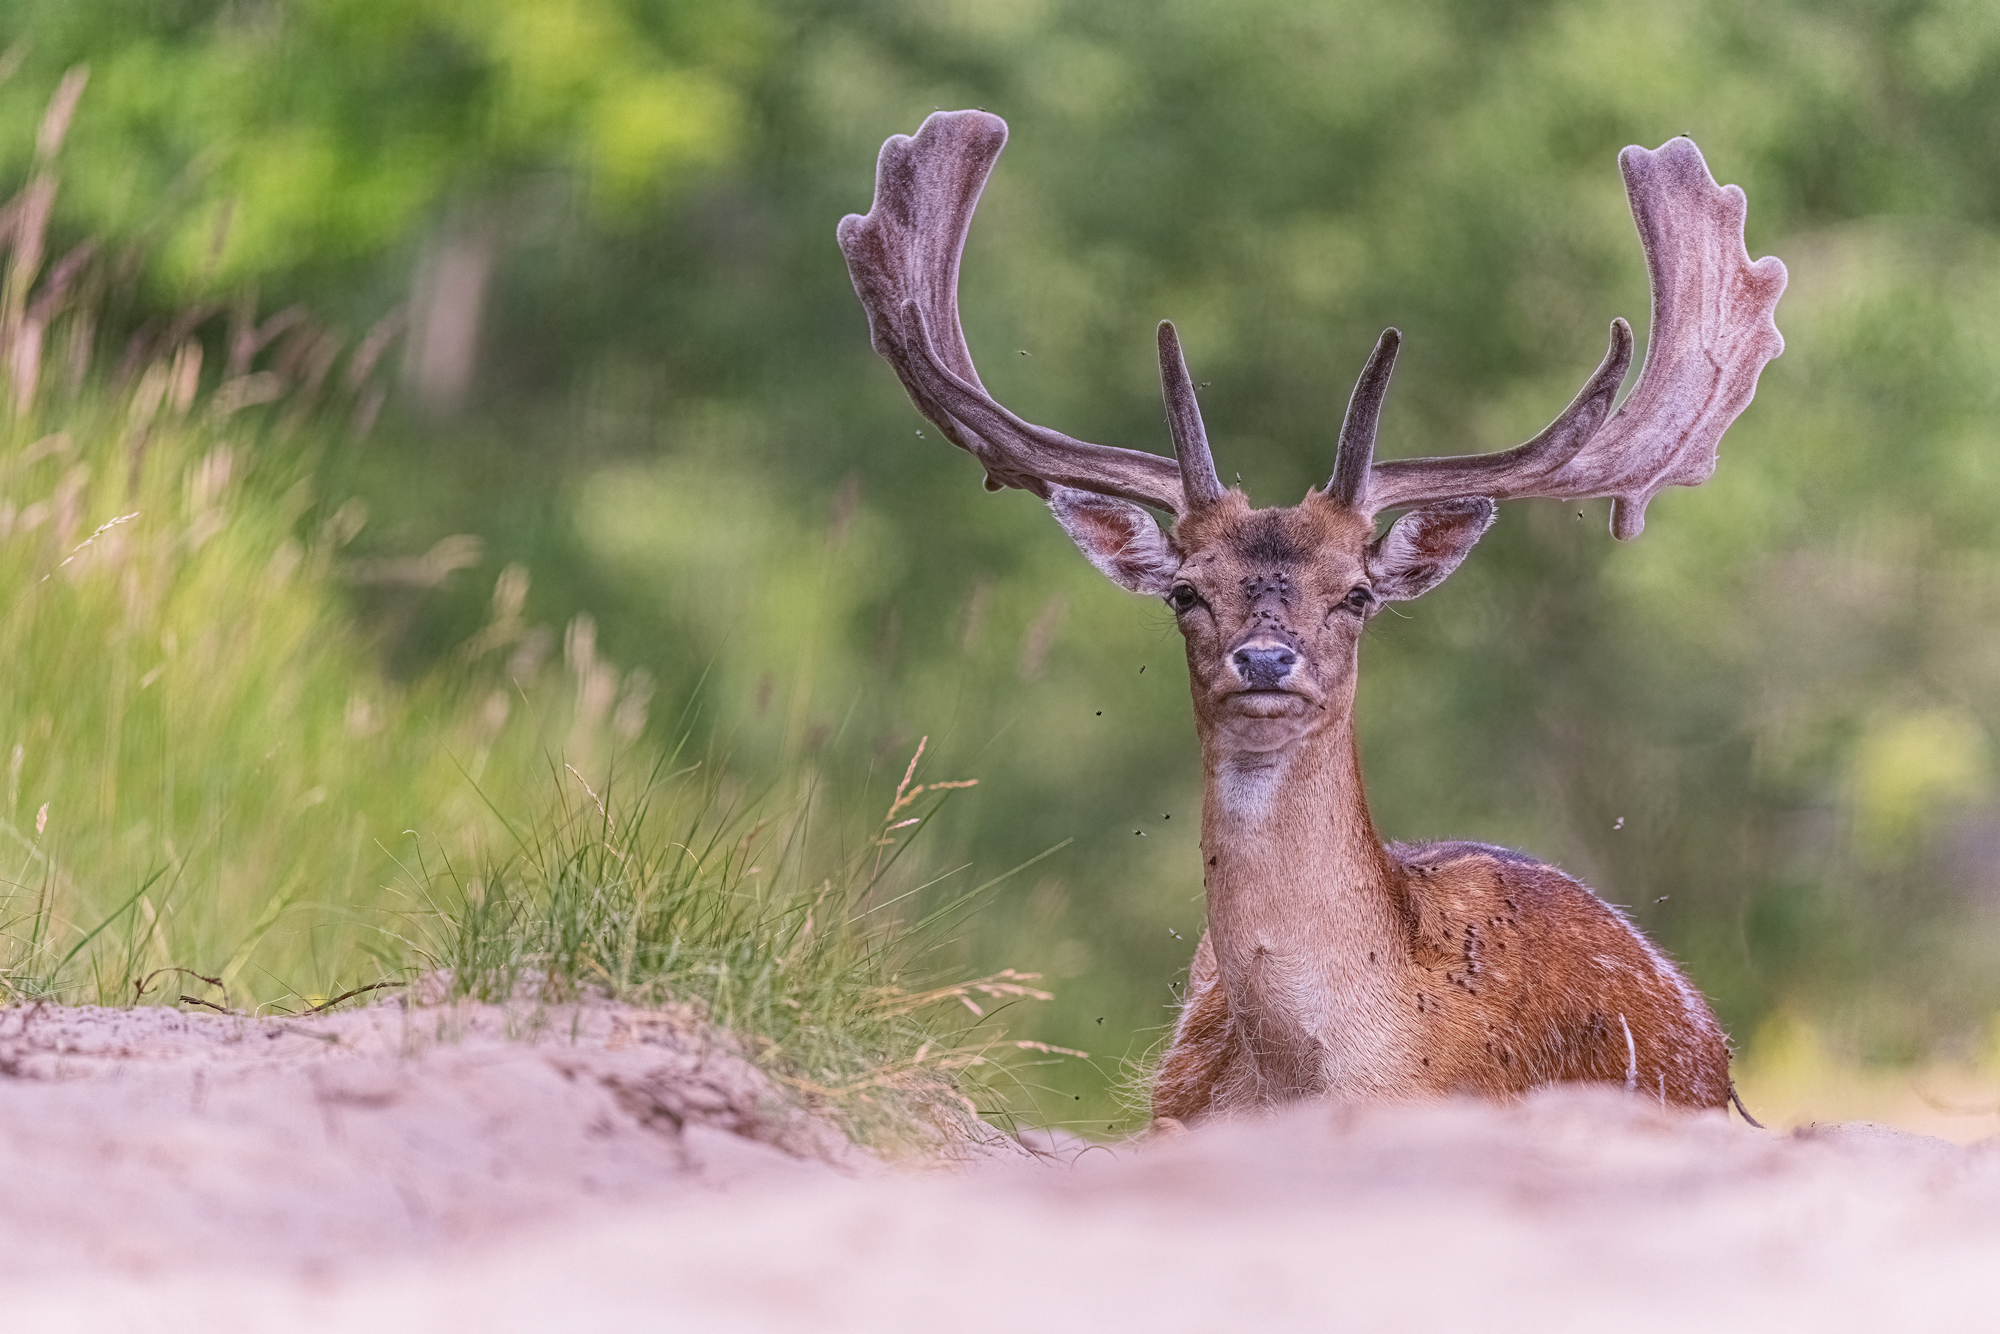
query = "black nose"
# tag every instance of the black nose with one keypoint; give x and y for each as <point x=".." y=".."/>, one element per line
<point x="1264" y="668"/>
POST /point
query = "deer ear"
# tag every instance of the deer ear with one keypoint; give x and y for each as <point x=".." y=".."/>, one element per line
<point x="1425" y="545"/>
<point x="1119" y="538"/>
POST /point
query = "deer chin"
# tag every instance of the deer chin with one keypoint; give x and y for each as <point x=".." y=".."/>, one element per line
<point x="1269" y="704"/>
<point x="1266" y="720"/>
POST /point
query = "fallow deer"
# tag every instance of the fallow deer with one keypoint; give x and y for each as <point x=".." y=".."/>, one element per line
<point x="1335" y="964"/>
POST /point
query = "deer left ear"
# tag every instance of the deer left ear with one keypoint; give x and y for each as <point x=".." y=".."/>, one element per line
<point x="1119" y="538"/>
<point x="1425" y="545"/>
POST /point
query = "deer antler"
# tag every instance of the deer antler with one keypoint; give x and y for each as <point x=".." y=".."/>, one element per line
<point x="903" y="257"/>
<point x="1712" y="332"/>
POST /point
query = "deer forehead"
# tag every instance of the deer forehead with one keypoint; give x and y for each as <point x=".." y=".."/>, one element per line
<point x="1236" y="553"/>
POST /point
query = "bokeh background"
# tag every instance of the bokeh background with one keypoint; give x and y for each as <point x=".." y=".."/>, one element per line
<point x="623" y="359"/>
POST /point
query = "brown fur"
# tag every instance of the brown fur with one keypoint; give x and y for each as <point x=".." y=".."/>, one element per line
<point x="1336" y="965"/>
<point x="1521" y="975"/>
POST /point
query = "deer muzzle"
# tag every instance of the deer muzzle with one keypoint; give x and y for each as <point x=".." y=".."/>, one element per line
<point x="1263" y="664"/>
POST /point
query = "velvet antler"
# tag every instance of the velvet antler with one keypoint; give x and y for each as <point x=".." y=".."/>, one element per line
<point x="903" y="257"/>
<point x="1712" y="333"/>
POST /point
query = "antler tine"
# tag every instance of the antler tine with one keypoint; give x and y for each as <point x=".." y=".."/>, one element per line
<point x="1712" y="334"/>
<point x="1198" y="477"/>
<point x="904" y="258"/>
<point x="1356" y="452"/>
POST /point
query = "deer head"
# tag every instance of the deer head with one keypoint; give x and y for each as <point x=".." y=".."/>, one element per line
<point x="1272" y="602"/>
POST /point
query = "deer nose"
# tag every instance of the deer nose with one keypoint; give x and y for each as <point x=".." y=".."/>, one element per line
<point x="1264" y="666"/>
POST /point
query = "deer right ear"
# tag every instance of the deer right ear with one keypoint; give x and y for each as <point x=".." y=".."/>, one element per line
<point x="1425" y="545"/>
<point x="1119" y="538"/>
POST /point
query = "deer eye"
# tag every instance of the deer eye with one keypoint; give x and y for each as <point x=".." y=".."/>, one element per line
<point x="1182" y="597"/>
<point x="1358" y="600"/>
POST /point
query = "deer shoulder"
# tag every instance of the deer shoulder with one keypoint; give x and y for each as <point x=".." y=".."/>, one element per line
<point x="1523" y="976"/>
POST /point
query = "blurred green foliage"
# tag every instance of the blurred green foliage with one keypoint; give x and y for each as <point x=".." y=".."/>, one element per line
<point x="202" y="765"/>
<point x="253" y="140"/>
<point x="1768" y="725"/>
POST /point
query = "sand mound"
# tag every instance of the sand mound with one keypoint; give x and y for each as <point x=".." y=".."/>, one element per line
<point x="595" y="1168"/>
<point x="135" y="1138"/>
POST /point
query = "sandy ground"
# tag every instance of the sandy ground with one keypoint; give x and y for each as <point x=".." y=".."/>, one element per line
<point x="597" y="1169"/>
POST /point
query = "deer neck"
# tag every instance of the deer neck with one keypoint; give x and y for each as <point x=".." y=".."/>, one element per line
<point x="1302" y="913"/>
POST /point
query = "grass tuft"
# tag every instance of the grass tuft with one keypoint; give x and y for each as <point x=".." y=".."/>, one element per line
<point x="675" y="890"/>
